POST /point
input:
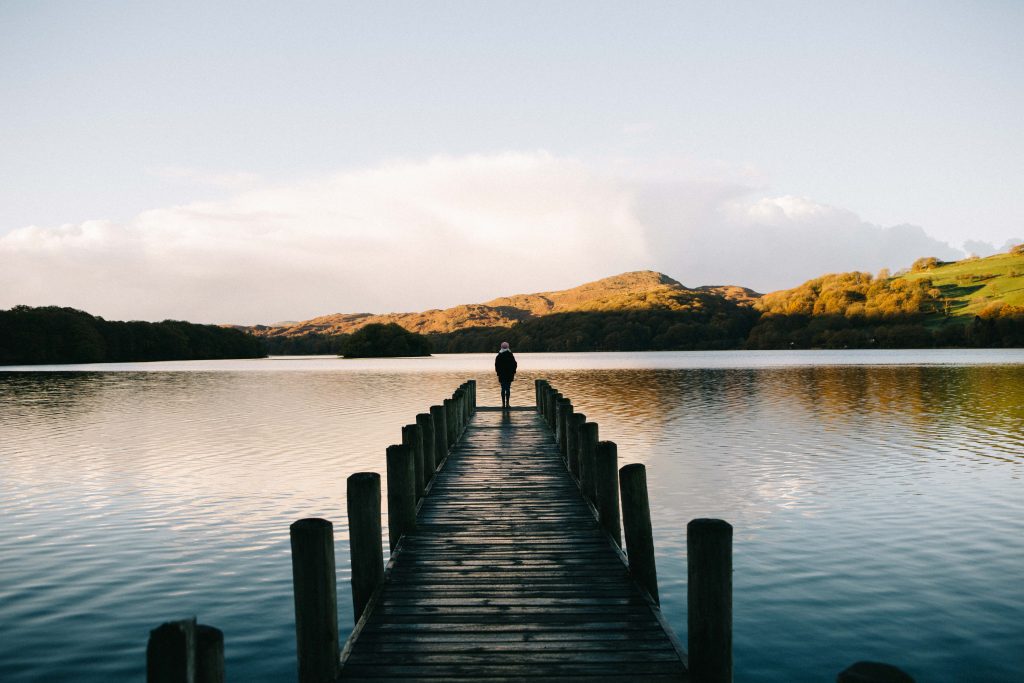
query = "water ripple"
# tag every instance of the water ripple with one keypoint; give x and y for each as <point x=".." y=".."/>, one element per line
<point x="878" y="508"/>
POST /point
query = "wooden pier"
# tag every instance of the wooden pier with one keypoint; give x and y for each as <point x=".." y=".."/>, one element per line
<point x="509" y="576"/>
<point x="519" y="552"/>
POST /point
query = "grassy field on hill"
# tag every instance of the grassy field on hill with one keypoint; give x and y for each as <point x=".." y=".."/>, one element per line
<point x="968" y="286"/>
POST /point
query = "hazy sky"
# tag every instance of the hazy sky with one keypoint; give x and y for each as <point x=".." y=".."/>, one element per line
<point x="251" y="161"/>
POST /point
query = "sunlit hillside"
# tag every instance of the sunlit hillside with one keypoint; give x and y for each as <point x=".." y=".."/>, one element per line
<point x="969" y="286"/>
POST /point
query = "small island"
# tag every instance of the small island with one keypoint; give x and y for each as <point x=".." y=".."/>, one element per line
<point x="379" y="340"/>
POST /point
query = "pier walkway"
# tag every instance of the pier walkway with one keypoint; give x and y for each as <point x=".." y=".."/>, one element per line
<point x="509" y="576"/>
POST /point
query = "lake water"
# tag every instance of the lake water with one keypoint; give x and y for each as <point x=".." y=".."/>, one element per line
<point x="877" y="498"/>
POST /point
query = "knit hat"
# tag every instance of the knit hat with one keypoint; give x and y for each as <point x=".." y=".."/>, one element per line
<point x="504" y="345"/>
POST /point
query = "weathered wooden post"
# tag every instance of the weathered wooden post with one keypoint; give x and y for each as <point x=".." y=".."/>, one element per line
<point x="440" y="435"/>
<point x="472" y="397"/>
<point x="606" y="482"/>
<point x="365" y="549"/>
<point x="709" y="597"/>
<point x="171" y="652"/>
<point x="572" y="443"/>
<point x="537" y="384"/>
<point x="209" y="654"/>
<point x="316" y="600"/>
<point x="636" y="527"/>
<point x="426" y="427"/>
<point x="873" y="672"/>
<point x="457" y="412"/>
<point x="401" y="493"/>
<point x="449" y="421"/>
<point x="588" y="451"/>
<point x="556" y="400"/>
<point x="563" y="426"/>
<point x="467" y="408"/>
<point x="411" y="440"/>
<point x="184" y="651"/>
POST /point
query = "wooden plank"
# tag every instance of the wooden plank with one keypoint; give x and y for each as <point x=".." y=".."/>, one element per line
<point x="508" y="576"/>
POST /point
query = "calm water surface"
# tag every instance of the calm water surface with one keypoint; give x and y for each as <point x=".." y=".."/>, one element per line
<point x="877" y="498"/>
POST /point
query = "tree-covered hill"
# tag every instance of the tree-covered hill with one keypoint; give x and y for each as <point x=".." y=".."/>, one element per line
<point x="51" y="334"/>
<point x="972" y="302"/>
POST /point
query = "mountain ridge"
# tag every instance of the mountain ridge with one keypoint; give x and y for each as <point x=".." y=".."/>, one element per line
<point x="641" y="289"/>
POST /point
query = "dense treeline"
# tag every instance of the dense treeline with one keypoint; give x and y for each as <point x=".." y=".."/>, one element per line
<point x="896" y="332"/>
<point x="635" y="330"/>
<point x="380" y="340"/>
<point x="309" y="344"/>
<point x="30" y="336"/>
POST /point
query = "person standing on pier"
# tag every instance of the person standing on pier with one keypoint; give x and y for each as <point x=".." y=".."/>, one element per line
<point x="505" y="365"/>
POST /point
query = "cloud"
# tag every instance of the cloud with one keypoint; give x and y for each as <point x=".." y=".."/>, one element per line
<point x="419" y="234"/>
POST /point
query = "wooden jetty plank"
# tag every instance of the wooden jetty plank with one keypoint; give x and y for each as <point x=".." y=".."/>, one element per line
<point x="508" y="576"/>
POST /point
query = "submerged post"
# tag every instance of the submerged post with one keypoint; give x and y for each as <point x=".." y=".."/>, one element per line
<point x="606" y="476"/>
<point x="709" y="596"/>
<point x="171" y="652"/>
<point x="873" y="672"/>
<point x="426" y="427"/>
<point x="636" y="526"/>
<point x="184" y="651"/>
<point x="572" y="443"/>
<point x="588" y="452"/>
<point x="401" y="493"/>
<point x="209" y="654"/>
<point x="316" y="600"/>
<point x="365" y="546"/>
<point x="411" y="440"/>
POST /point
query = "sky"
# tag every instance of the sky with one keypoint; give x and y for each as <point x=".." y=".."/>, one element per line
<point x="245" y="162"/>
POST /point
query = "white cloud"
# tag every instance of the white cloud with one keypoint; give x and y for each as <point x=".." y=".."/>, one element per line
<point x="434" y="233"/>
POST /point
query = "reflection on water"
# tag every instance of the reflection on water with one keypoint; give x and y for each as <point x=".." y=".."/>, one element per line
<point x="877" y="508"/>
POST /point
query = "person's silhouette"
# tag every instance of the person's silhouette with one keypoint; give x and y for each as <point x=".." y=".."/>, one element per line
<point x="505" y="365"/>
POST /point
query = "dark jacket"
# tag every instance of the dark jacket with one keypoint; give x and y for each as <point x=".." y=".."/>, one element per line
<point x="505" y="365"/>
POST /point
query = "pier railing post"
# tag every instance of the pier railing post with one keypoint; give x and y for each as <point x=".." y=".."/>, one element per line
<point x="563" y="425"/>
<point x="588" y="451"/>
<point x="449" y="421"/>
<point x="401" y="493"/>
<point x="316" y="600"/>
<point x="636" y="527"/>
<point x="426" y="427"/>
<point x="606" y="481"/>
<point x="709" y="598"/>
<point x="457" y="412"/>
<point x="472" y="397"/>
<point x="411" y="439"/>
<point x="556" y="412"/>
<point x="365" y="546"/>
<point x="537" y="384"/>
<point x="440" y="435"/>
<point x="572" y="443"/>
